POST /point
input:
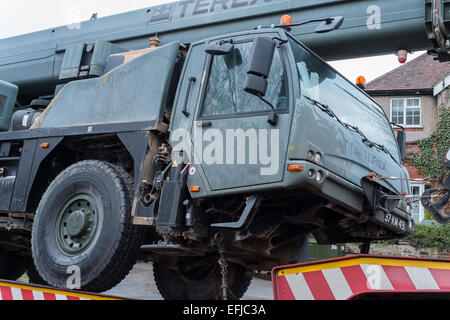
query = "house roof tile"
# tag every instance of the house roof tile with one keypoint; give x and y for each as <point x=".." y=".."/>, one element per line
<point x="419" y="74"/>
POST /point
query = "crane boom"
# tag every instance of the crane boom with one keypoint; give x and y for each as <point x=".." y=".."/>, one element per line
<point x="34" y="61"/>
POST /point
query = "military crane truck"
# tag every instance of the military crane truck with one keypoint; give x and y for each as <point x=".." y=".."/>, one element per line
<point x="214" y="153"/>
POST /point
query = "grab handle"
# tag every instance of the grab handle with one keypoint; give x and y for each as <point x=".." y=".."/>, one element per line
<point x="191" y="81"/>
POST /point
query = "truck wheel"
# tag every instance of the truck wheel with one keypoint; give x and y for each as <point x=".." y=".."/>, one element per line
<point x="204" y="282"/>
<point x="83" y="235"/>
<point x="12" y="266"/>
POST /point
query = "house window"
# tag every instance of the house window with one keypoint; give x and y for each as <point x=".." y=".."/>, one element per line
<point x="406" y="112"/>
<point x="418" y="211"/>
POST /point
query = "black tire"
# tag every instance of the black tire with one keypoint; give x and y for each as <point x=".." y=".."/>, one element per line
<point x="12" y="266"/>
<point x="201" y="284"/>
<point x="114" y="247"/>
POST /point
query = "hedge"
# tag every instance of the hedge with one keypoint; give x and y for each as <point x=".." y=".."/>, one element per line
<point x="429" y="235"/>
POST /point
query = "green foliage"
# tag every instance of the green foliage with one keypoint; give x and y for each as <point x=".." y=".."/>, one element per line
<point x="430" y="235"/>
<point x="426" y="235"/>
<point x="434" y="148"/>
<point x="428" y="215"/>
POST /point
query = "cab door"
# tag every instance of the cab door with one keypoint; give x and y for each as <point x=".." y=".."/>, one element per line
<point x="234" y="144"/>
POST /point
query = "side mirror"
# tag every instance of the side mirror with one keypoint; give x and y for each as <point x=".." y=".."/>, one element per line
<point x="330" y="24"/>
<point x="258" y="71"/>
<point x="401" y="140"/>
<point x="219" y="49"/>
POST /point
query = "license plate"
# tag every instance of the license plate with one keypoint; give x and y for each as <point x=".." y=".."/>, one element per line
<point x="395" y="221"/>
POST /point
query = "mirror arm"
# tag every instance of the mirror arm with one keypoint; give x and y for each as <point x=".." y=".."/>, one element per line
<point x="273" y="116"/>
<point x="399" y="126"/>
<point x="267" y="102"/>
<point x="288" y="27"/>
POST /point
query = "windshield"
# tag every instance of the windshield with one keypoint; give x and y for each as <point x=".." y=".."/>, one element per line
<point x="321" y="83"/>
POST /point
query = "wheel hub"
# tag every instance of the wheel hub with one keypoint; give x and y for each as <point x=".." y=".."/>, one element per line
<point x="77" y="223"/>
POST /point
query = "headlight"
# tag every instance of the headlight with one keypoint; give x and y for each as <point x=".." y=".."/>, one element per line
<point x="318" y="158"/>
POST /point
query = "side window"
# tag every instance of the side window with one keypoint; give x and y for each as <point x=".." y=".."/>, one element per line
<point x="225" y="96"/>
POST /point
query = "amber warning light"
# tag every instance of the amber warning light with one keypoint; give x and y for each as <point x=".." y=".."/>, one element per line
<point x="286" y="20"/>
<point x="361" y="82"/>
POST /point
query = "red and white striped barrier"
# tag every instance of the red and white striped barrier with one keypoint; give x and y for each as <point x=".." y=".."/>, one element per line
<point x="349" y="277"/>
<point x="16" y="291"/>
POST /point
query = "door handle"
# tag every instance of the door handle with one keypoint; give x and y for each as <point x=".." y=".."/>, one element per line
<point x="191" y="81"/>
<point x="204" y="124"/>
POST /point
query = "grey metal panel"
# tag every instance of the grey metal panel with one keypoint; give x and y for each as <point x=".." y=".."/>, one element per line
<point x="101" y="51"/>
<point x="6" y="189"/>
<point x="106" y="128"/>
<point x="135" y="91"/>
<point x="22" y="191"/>
<point x="72" y="61"/>
<point x="19" y="201"/>
<point x="137" y="144"/>
<point x="75" y="59"/>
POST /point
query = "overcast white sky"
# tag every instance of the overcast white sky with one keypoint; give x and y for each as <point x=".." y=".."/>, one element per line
<point x="24" y="16"/>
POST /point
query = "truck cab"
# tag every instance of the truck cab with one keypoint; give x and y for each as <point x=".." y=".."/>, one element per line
<point x="330" y="130"/>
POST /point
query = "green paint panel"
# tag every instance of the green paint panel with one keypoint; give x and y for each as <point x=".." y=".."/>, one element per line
<point x="135" y="91"/>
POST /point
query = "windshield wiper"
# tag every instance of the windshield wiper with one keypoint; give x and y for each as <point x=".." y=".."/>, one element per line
<point x="383" y="148"/>
<point x="325" y="108"/>
<point x="358" y="131"/>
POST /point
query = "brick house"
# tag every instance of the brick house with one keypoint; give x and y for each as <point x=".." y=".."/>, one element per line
<point x="411" y="96"/>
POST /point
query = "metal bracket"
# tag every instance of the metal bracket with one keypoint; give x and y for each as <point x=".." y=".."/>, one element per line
<point x="378" y="196"/>
<point x="247" y="216"/>
<point x="435" y="208"/>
